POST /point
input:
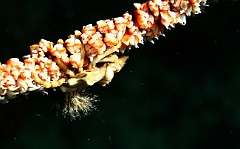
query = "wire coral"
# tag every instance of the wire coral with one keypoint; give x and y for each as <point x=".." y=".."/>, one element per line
<point x="91" y="55"/>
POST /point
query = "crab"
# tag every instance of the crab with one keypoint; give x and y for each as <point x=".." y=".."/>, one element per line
<point x="101" y="71"/>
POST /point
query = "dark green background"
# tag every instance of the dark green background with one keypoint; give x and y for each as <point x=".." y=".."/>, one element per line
<point x="181" y="92"/>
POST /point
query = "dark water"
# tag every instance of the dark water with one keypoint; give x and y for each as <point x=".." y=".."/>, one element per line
<point x="181" y="92"/>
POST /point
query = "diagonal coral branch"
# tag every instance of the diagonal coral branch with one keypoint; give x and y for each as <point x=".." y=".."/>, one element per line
<point x="93" y="54"/>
